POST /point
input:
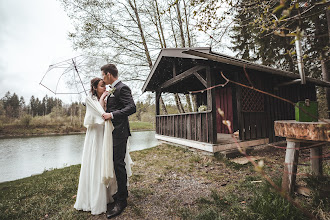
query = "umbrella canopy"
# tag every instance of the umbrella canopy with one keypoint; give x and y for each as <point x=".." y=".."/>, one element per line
<point x="72" y="76"/>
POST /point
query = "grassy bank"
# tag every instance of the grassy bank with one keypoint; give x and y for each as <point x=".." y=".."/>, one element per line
<point x="16" y="130"/>
<point x="169" y="183"/>
<point x="141" y="126"/>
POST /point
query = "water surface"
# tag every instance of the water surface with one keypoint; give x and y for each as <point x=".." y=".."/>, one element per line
<point x="23" y="157"/>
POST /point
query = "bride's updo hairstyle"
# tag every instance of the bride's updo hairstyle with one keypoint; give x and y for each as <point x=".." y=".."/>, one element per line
<point x="94" y="84"/>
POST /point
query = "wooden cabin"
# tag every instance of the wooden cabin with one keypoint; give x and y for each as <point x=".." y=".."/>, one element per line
<point x="250" y="112"/>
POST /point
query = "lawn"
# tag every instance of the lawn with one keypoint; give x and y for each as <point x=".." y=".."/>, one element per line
<point x="171" y="183"/>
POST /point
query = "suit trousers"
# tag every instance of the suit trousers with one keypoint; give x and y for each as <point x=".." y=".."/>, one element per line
<point x="119" y="152"/>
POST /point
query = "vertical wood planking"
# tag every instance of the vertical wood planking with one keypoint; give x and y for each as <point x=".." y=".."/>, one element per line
<point x="189" y="127"/>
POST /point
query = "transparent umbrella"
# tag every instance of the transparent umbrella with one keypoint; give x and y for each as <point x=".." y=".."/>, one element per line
<point x="72" y="76"/>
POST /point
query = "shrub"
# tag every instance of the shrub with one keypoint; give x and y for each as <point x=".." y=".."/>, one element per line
<point x="26" y="120"/>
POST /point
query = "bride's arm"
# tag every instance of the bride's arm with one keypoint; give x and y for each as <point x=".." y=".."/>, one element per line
<point x="101" y="101"/>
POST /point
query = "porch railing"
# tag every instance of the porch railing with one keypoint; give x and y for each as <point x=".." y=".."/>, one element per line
<point x="192" y="126"/>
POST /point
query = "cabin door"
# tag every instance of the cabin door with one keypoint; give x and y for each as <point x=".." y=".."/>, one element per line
<point x="224" y="101"/>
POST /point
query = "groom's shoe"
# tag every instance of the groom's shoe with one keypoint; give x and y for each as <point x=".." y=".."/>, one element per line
<point x="117" y="209"/>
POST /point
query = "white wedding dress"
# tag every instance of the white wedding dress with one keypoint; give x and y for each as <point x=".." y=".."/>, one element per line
<point x="97" y="182"/>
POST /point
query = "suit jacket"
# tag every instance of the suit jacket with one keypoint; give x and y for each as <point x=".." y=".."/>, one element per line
<point x="121" y="105"/>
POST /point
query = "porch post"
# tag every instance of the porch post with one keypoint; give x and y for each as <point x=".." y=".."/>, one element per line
<point x="158" y="93"/>
<point x="212" y="122"/>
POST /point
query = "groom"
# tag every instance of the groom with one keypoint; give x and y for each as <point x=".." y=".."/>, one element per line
<point x="120" y="105"/>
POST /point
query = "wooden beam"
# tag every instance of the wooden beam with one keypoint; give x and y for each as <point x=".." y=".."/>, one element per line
<point x="201" y="79"/>
<point x="181" y="76"/>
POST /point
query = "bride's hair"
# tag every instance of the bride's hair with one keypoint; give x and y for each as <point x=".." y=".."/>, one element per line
<point x="94" y="84"/>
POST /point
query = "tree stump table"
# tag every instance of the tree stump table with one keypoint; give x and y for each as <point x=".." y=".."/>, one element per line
<point x="317" y="134"/>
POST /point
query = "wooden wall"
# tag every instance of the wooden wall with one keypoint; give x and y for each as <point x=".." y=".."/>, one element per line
<point x="192" y="126"/>
<point x="254" y="125"/>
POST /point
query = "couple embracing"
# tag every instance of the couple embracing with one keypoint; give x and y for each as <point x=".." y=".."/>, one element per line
<point x="106" y="161"/>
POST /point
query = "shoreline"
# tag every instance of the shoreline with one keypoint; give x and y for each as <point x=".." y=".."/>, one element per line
<point x="56" y="134"/>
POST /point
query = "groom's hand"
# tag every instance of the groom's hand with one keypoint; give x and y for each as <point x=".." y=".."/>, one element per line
<point x="106" y="116"/>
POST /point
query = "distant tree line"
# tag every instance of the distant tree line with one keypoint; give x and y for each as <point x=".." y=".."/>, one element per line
<point x="13" y="106"/>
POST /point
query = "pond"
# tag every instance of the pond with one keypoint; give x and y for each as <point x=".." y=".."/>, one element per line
<point x="23" y="157"/>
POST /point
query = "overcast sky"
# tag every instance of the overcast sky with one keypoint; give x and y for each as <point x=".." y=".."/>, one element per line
<point x="33" y="34"/>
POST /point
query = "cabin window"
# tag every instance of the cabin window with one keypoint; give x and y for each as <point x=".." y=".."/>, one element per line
<point x="252" y="101"/>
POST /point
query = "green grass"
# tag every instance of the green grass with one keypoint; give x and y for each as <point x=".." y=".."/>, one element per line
<point x="268" y="204"/>
<point x="47" y="195"/>
<point x="51" y="194"/>
<point x="263" y="203"/>
<point x="140" y="125"/>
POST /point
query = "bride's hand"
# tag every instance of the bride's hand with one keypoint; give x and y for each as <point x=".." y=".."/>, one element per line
<point x="104" y="95"/>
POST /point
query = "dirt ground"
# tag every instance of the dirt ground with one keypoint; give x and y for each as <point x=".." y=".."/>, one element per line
<point x="168" y="182"/>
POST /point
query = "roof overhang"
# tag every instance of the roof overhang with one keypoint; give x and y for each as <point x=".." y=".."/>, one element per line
<point x="247" y="64"/>
<point x="173" y="52"/>
<point x="205" y="53"/>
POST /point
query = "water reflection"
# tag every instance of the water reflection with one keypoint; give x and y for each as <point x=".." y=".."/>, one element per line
<point x="23" y="157"/>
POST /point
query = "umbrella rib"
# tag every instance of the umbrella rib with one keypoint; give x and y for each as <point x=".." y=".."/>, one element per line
<point x="79" y="76"/>
<point x="65" y="71"/>
<point x="47" y="88"/>
<point x="68" y="60"/>
<point x="82" y="62"/>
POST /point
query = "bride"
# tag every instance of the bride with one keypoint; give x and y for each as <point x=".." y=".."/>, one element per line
<point x="97" y="182"/>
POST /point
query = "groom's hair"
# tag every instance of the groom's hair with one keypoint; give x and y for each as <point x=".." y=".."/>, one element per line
<point x="110" y="68"/>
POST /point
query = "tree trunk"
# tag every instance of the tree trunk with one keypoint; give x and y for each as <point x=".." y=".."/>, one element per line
<point x="189" y="103"/>
<point x="138" y="21"/>
<point x="183" y="44"/>
<point x="162" y="104"/>
<point x="145" y="47"/>
<point x="178" y="103"/>
<point x="326" y="63"/>
<point x="172" y="27"/>
<point x="194" y="101"/>
<point x="187" y="23"/>
<point x="160" y="24"/>
<point x="160" y="38"/>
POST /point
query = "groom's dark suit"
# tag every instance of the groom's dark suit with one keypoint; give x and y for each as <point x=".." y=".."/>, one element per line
<point x="121" y="105"/>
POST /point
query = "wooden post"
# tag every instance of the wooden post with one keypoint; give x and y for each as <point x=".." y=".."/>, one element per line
<point x="240" y="118"/>
<point x="158" y="124"/>
<point x="290" y="166"/>
<point x="158" y="94"/>
<point x="316" y="160"/>
<point x="211" y="106"/>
